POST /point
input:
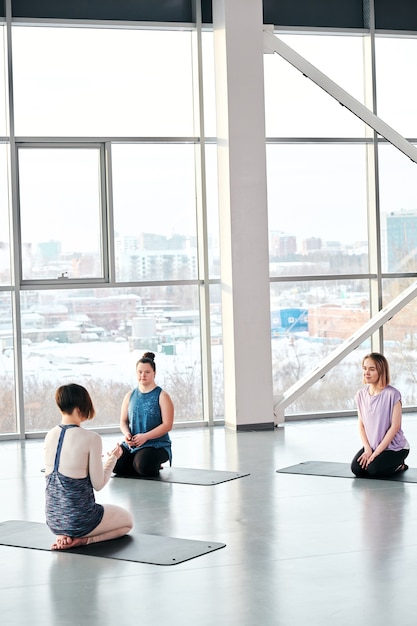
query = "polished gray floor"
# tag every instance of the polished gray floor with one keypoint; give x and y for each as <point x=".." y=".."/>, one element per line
<point x="300" y="550"/>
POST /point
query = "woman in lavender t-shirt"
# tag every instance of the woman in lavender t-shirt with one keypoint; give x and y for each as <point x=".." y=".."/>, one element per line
<point x="385" y="447"/>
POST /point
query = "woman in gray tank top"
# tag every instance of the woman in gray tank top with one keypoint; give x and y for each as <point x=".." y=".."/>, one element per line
<point x="74" y="469"/>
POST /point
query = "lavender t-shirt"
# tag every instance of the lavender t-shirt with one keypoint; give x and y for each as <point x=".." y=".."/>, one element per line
<point x="376" y="413"/>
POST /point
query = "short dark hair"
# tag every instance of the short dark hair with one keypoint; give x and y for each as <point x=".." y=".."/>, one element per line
<point x="148" y="357"/>
<point x="381" y="365"/>
<point x="73" y="396"/>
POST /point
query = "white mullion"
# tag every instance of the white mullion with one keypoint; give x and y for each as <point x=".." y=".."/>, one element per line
<point x="201" y="207"/>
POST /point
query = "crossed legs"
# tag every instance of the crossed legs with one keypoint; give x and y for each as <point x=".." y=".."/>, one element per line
<point x="144" y="462"/>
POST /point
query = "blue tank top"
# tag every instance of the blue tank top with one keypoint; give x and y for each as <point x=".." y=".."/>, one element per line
<point x="144" y="414"/>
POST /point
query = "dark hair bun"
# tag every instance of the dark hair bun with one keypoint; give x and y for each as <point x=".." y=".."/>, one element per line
<point x="149" y="355"/>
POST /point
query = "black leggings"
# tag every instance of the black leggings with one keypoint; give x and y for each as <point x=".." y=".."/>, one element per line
<point x="385" y="464"/>
<point x="144" y="462"/>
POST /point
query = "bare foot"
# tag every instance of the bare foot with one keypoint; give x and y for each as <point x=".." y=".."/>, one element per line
<point x="402" y="468"/>
<point x="63" y="542"/>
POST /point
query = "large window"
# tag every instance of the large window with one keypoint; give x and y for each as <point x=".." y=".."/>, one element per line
<point x="322" y="200"/>
<point x="113" y="182"/>
<point x="96" y="211"/>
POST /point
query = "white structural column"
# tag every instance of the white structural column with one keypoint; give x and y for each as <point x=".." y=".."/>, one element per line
<point x="238" y="47"/>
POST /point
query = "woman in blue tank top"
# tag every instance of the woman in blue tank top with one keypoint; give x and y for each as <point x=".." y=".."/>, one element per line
<point x="147" y="416"/>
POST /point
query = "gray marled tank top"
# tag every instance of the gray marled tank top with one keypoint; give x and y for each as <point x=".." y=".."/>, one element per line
<point x="70" y="504"/>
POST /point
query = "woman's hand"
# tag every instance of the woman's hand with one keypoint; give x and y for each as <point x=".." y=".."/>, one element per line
<point x="138" y="440"/>
<point x="366" y="457"/>
<point x="117" y="451"/>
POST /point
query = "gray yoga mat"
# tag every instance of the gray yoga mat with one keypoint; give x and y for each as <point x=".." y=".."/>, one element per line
<point x="152" y="549"/>
<point x="190" y="476"/>
<point x="342" y="470"/>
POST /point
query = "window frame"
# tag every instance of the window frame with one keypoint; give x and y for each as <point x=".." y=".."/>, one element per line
<point x="105" y="221"/>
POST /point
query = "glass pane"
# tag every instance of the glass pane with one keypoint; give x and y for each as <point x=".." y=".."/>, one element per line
<point x="95" y="337"/>
<point x="3" y="84"/>
<point x="5" y="277"/>
<point x="8" y="422"/>
<point x="154" y="206"/>
<point x="209" y="84"/>
<point x="60" y="211"/>
<point x="396" y="60"/>
<point x="400" y="341"/>
<point x="308" y="321"/>
<point x="216" y="332"/>
<point x="212" y="211"/>
<point x="95" y="82"/>
<point x="398" y="197"/>
<point x="297" y="107"/>
<point x="317" y="209"/>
